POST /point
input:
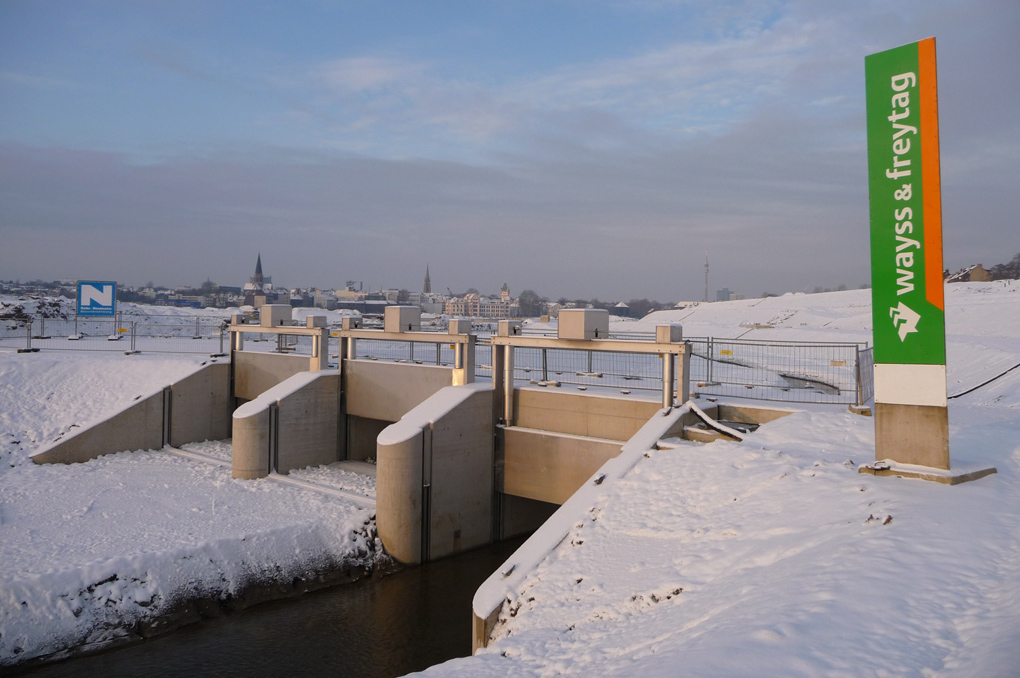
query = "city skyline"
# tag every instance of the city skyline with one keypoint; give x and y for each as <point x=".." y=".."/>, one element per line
<point x="593" y="150"/>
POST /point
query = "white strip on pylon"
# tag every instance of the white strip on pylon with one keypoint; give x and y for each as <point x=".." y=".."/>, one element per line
<point x="910" y="384"/>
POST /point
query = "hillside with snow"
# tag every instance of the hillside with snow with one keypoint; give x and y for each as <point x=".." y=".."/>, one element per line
<point x="773" y="556"/>
<point x="128" y="544"/>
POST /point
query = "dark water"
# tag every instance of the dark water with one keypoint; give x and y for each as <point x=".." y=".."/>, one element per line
<point x="385" y="626"/>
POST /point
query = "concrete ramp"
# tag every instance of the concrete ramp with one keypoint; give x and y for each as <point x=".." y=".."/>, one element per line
<point x="194" y="409"/>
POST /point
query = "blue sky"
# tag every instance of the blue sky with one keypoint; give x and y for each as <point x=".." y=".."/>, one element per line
<point x="576" y="148"/>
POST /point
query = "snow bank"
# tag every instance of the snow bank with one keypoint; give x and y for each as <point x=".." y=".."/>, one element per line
<point x="123" y="544"/>
<point x="774" y="557"/>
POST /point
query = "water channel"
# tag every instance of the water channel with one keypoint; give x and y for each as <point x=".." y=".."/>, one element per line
<point x="380" y="626"/>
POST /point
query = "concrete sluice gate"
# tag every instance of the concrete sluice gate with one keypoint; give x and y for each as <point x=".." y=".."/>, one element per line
<point x="459" y="464"/>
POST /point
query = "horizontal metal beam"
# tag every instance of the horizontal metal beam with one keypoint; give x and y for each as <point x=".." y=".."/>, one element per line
<point x="429" y="337"/>
<point x="607" y="345"/>
<point x="280" y="329"/>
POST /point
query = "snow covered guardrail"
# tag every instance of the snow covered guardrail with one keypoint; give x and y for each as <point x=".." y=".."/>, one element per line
<point x="503" y="584"/>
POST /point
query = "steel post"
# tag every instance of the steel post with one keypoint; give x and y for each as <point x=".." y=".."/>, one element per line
<point x="667" y="380"/>
<point x="508" y="385"/>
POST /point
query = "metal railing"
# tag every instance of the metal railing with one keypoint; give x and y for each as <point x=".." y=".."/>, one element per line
<point x="808" y="372"/>
<point x="115" y="334"/>
<point x="865" y="375"/>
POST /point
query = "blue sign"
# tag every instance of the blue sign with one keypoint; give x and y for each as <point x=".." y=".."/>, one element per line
<point x="97" y="298"/>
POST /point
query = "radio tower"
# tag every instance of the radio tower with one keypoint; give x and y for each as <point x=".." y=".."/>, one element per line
<point x="706" y="276"/>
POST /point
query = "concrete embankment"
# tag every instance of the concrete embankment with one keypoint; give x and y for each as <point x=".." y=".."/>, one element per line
<point x="192" y="409"/>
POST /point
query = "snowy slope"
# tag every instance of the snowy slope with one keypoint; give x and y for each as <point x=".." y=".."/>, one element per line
<point x="774" y="557"/>
<point x="94" y="551"/>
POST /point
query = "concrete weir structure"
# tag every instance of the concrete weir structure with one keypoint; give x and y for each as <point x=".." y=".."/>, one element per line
<point x="459" y="464"/>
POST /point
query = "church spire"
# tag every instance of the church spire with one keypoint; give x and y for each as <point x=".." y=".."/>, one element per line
<point x="428" y="281"/>
<point x="257" y="279"/>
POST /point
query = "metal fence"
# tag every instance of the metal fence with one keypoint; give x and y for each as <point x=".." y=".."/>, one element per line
<point x="115" y="334"/>
<point x="420" y="352"/>
<point x="816" y="372"/>
<point x="806" y="372"/>
<point x="866" y="375"/>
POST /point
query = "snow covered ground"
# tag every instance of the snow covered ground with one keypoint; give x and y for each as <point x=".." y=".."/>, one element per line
<point x="96" y="551"/>
<point x="774" y="557"/>
<point x="767" y="557"/>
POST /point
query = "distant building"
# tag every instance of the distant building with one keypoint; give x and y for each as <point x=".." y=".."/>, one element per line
<point x="259" y="289"/>
<point x="474" y="306"/>
<point x="349" y="293"/>
<point x="975" y="273"/>
<point x="468" y="306"/>
<point x="726" y="294"/>
<point x="621" y="309"/>
<point x="325" y="300"/>
<point x="427" y="289"/>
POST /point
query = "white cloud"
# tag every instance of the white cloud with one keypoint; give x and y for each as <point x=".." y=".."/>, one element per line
<point x="361" y="74"/>
<point x="34" y="80"/>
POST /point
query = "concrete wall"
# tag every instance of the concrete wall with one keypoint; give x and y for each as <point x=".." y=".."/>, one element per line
<point x="434" y="476"/>
<point x="361" y="436"/>
<point x="251" y="448"/>
<point x="194" y="409"/>
<point x="388" y="391"/>
<point x="138" y="427"/>
<point x="583" y="414"/>
<point x="256" y="373"/>
<point x="519" y="515"/>
<point x="510" y="576"/>
<point x="201" y="406"/>
<point x="550" y="467"/>
<point x="292" y="425"/>
<point x="308" y="424"/>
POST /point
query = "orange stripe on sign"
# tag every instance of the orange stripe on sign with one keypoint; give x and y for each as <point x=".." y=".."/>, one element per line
<point x="931" y="184"/>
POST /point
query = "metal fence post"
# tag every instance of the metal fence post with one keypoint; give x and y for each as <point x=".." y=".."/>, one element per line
<point x="857" y="375"/>
<point x="28" y="337"/>
<point x="545" y="365"/>
<point x="711" y="351"/>
<point x="508" y="385"/>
